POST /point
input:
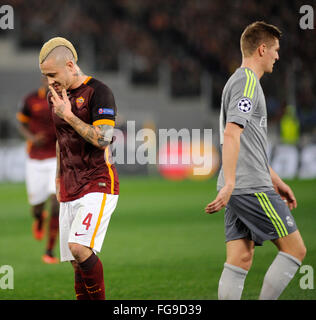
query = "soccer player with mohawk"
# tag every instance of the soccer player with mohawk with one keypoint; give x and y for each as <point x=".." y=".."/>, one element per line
<point x="255" y="197"/>
<point x="84" y="113"/>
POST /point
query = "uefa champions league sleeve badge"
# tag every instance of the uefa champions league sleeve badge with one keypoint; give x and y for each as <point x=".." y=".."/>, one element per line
<point x="244" y="105"/>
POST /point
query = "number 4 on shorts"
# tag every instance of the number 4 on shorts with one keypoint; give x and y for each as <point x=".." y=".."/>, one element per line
<point x="87" y="221"/>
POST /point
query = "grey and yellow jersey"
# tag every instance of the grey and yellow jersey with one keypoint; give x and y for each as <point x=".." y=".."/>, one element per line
<point x="243" y="103"/>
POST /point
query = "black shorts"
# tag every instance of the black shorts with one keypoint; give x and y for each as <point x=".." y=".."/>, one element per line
<point x="258" y="216"/>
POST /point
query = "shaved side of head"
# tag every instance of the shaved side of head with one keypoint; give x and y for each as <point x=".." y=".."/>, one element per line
<point x="61" y="55"/>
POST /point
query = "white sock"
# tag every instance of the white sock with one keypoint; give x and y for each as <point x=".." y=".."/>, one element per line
<point x="278" y="276"/>
<point x="231" y="283"/>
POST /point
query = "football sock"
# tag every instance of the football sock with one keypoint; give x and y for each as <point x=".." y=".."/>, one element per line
<point x="40" y="220"/>
<point x="278" y="276"/>
<point x="53" y="232"/>
<point x="231" y="283"/>
<point x="80" y="288"/>
<point x="92" y="274"/>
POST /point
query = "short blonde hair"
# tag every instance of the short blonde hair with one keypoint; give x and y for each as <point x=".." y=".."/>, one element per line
<point x="53" y="43"/>
<point x="257" y="33"/>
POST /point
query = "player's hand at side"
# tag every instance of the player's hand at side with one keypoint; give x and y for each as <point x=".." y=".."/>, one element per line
<point x="287" y="195"/>
<point x="62" y="105"/>
<point x="220" y="201"/>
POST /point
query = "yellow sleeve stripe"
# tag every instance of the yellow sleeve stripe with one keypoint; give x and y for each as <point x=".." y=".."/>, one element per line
<point x="246" y="87"/>
<point x="22" y="117"/>
<point x="104" y="121"/>
<point x="250" y="86"/>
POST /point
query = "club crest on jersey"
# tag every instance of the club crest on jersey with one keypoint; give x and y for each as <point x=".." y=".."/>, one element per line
<point x="79" y="102"/>
<point x="244" y="105"/>
<point x="106" y="111"/>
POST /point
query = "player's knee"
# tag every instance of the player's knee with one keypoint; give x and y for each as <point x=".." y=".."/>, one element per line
<point x="79" y="251"/>
<point x="246" y="259"/>
<point x="242" y="260"/>
<point x="301" y="252"/>
<point x="76" y="250"/>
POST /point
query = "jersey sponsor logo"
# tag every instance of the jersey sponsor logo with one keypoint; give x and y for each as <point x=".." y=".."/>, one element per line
<point x="79" y="102"/>
<point x="244" y="105"/>
<point x="106" y="111"/>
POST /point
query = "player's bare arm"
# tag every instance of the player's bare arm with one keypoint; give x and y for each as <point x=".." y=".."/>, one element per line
<point x="100" y="136"/>
<point x="283" y="189"/>
<point x="231" y="147"/>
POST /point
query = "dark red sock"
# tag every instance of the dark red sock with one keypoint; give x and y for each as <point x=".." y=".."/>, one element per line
<point x="80" y="288"/>
<point x="92" y="274"/>
<point x="53" y="232"/>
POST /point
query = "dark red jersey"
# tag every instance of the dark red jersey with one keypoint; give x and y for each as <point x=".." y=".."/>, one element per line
<point x="36" y="113"/>
<point x="85" y="168"/>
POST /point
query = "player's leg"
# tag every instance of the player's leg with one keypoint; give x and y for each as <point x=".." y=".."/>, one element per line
<point x="39" y="217"/>
<point x="239" y="258"/>
<point x="93" y="212"/>
<point x="53" y="228"/>
<point x="89" y="270"/>
<point x="53" y="225"/>
<point x="291" y="254"/>
<point x="36" y="185"/>
<point x="292" y="244"/>
<point x="289" y="243"/>
<point x="80" y="287"/>
<point x="66" y="218"/>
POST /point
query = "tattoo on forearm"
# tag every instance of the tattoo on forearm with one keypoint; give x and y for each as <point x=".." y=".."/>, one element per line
<point x="99" y="136"/>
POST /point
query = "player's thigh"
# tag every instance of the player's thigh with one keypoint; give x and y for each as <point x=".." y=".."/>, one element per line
<point x="37" y="181"/>
<point x="240" y="252"/>
<point x="92" y="216"/>
<point x="292" y="244"/>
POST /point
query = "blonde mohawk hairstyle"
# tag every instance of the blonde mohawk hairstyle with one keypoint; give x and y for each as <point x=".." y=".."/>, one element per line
<point x="54" y="43"/>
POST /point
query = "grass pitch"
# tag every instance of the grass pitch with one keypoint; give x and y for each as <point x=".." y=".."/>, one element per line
<point x="160" y="245"/>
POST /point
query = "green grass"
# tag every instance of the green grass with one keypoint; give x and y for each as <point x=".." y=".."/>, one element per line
<point x="160" y="245"/>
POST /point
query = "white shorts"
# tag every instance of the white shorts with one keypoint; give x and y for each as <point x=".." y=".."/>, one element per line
<point x="85" y="221"/>
<point x="40" y="179"/>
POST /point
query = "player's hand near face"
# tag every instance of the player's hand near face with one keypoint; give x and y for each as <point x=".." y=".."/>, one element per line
<point x="220" y="201"/>
<point x="62" y="105"/>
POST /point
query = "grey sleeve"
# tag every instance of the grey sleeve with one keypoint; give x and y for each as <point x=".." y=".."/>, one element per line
<point x="241" y="102"/>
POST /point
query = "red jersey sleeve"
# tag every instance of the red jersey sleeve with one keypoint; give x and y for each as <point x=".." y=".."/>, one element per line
<point x="103" y="107"/>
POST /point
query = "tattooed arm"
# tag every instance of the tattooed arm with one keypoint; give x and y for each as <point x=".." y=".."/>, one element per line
<point x="100" y="136"/>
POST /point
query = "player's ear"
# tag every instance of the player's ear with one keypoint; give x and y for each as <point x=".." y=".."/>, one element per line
<point x="70" y="65"/>
<point x="261" y="49"/>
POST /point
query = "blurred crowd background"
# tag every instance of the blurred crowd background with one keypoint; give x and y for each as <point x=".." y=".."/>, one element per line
<point x="193" y="46"/>
<point x="189" y="36"/>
